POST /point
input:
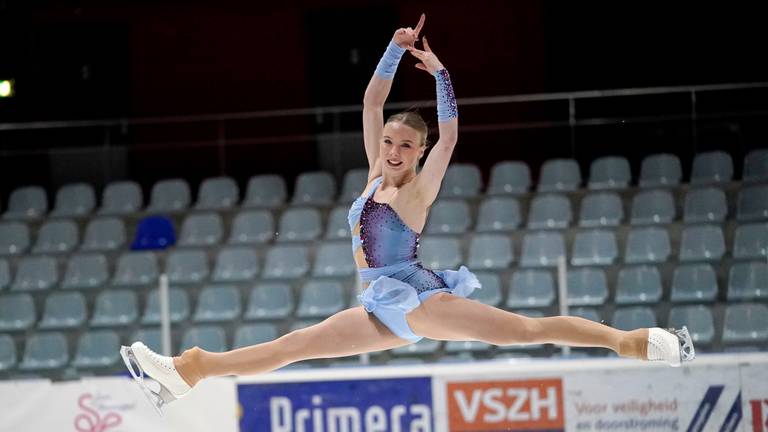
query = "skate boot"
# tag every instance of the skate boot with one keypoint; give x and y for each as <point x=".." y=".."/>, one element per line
<point x="142" y="361"/>
<point x="670" y="345"/>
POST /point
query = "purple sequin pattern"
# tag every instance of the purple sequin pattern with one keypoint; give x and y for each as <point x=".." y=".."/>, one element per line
<point x="446" y="99"/>
<point x="386" y="240"/>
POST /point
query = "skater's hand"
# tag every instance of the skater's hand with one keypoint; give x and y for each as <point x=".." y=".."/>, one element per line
<point x="429" y="61"/>
<point x="407" y="37"/>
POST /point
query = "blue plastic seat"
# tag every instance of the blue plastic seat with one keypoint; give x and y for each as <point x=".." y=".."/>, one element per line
<point x="154" y="232"/>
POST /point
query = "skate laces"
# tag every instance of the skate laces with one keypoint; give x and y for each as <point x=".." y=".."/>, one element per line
<point x="161" y="360"/>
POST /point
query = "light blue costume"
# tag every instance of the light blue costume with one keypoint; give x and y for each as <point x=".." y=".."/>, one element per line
<point x="398" y="282"/>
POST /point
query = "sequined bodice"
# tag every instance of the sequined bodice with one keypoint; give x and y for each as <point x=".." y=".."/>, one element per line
<point x="385" y="238"/>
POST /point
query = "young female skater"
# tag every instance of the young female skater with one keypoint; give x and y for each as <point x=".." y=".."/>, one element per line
<point x="402" y="301"/>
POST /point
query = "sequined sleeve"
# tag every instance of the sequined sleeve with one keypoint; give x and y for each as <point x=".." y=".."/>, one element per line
<point x="446" y="99"/>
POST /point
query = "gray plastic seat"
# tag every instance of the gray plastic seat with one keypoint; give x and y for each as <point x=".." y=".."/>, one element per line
<point x="559" y="175"/>
<point x="104" y="234"/>
<point x="585" y="312"/>
<point x="270" y="300"/>
<point x="320" y="299"/>
<point x="490" y="251"/>
<point x="601" y="209"/>
<point x="152" y="337"/>
<point x="64" y="310"/>
<point x="748" y="281"/>
<point x="647" y="245"/>
<point x="756" y="166"/>
<point x="27" y="203"/>
<point x="235" y="264"/>
<point x="85" y="271"/>
<point x="440" y="252"/>
<point x="633" y="317"/>
<point x="550" y="211"/>
<point x="299" y="224"/>
<point x="335" y="260"/>
<point x="201" y="229"/>
<point x="36" y="273"/>
<point x="218" y="303"/>
<point x="705" y="205"/>
<point x="466" y="346"/>
<point x="254" y="334"/>
<point x="168" y="196"/>
<point x="594" y="247"/>
<point x="609" y="172"/>
<point x="753" y="203"/>
<point x="751" y="241"/>
<point x="531" y="288"/>
<point x="338" y="226"/>
<point x="355" y="181"/>
<point x="448" y="217"/>
<point x="121" y="198"/>
<point x="136" y="269"/>
<point x="587" y="287"/>
<point x="187" y="266"/>
<point x="422" y="347"/>
<point x="97" y="348"/>
<point x="115" y="308"/>
<point x="56" y="236"/>
<point x="17" y="312"/>
<point x="317" y="188"/>
<point x="252" y="227"/>
<point x="74" y="200"/>
<point x="266" y="190"/>
<point x="178" y="306"/>
<point x="745" y="322"/>
<point x="208" y="337"/>
<point x="509" y="177"/>
<point x="702" y="243"/>
<point x="660" y="170"/>
<point x="653" y="207"/>
<point x="542" y="249"/>
<point x="694" y="283"/>
<point x="45" y="351"/>
<point x="490" y="293"/>
<point x="461" y="180"/>
<point x="499" y="214"/>
<point x="5" y="274"/>
<point x="638" y="284"/>
<point x="7" y="353"/>
<point x="712" y="167"/>
<point x="698" y="319"/>
<point x="286" y="261"/>
<point x="14" y="238"/>
<point x="217" y="193"/>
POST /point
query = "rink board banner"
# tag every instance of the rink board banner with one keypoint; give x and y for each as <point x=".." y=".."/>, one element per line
<point x="371" y="405"/>
<point x="113" y="404"/>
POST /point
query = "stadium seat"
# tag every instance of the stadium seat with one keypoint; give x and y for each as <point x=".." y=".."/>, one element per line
<point x="694" y="283"/>
<point x="252" y="227"/>
<point x="698" y="319"/>
<point x="499" y="214"/>
<point x="36" y="273"/>
<point x="187" y="266"/>
<point x="585" y="312"/>
<point x="440" y="252"/>
<point x="235" y="264"/>
<point x="338" y="226"/>
<point x="465" y="346"/>
<point x="490" y="293"/>
<point x="97" y="348"/>
<point x="712" y="167"/>
<point x="74" y="200"/>
<point x="217" y="193"/>
<point x="594" y="247"/>
<point x="104" y="234"/>
<point x="751" y="241"/>
<point x="601" y="209"/>
<point x="647" y="245"/>
<point x="748" y="281"/>
<point x="27" y="203"/>
<point x="64" y="310"/>
<point x="5" y="274"/>
<point x="638" y="284"/>
<point x="266" y="190"/>
<point x="609" y="172"/>
<point x="355" y="181"/>
<point x="633" y="317"/>
<point x="587" y="287"/>
<point x="201" y="230"/>
<point x="448" y="216"/>
<point x="745" y="322"/>
<point x="178" y="306"/>
<point x="169" y="196"/>
<point x="45" y="351"/>
<point x="317" y="188"/>
<point x="702" y="243"/>
<point x="490" y="251"/>
<point x="152" y="337"/>
<point x="542" y="249"/>
<point x="653" y="207"/>
<point x="461" y="180"/>
<point x="7" y="353"/>
<point x="660" y="170"/>
<point x="299" y="224"/>
<point x="550" y="211"/>
<point x="756" y="166"/>
<point x="253" y="334"/>
<point x="531" y="288"/>
<point x="115" y="308"/>
<point x="753" y="203"/>
<point x="56" y="236"/>
<point x="422" y="347"/>
<point x="154" y="232"/>
<point x="320" y="299"/>
<point x="559" y="175"/>
<point x="334" y="259"/>
<point x="270" y="300"/>
<point x="509" y="177"/>
<point x="705" y="205"/>
<point x="121" y="198"/>
<point x="286" y="261"/>
<point x="14" y="238"/>
<point x="17" y="312"/>
<point x="136" y="269"/>
<point x="206" y="336"/>
<point x="218" y="303"/>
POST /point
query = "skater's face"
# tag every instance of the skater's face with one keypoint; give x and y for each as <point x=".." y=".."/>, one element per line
<point x="401" y="147"/>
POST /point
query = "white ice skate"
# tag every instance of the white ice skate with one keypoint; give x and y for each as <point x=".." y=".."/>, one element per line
<point x="159" y="368"/>
<point x="670" y="345"/>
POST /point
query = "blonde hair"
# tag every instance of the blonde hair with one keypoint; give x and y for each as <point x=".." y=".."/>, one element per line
<point x="412" y="119"/>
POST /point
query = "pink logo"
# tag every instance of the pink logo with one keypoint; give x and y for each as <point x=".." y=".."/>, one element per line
<point x="91" y="420"/>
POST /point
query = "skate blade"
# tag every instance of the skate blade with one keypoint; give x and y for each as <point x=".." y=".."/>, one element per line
<point x="687" y="352"/>
<point x="157" y="399"/>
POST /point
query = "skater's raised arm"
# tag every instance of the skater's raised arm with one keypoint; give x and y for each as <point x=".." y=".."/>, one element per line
<point x="378" y="89"/>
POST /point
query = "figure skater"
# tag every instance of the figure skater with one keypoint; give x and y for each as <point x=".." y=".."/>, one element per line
<point x="402" y="301"/>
